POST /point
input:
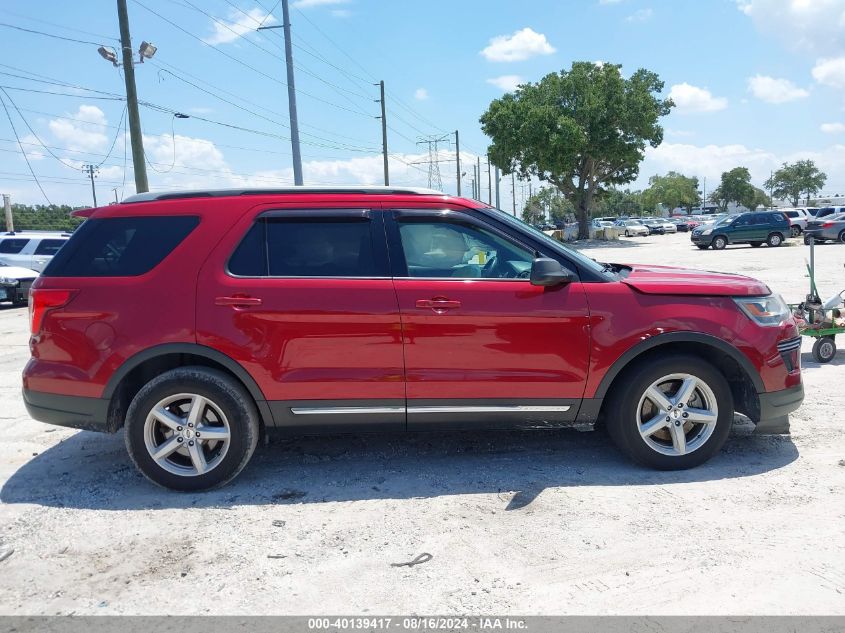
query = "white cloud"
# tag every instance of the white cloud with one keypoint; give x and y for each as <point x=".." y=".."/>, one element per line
<point x="32" y="147"/>
<point x="689" y="98"/>
<point x="518" y="46"/>
<point x="772" y="90"/>
<point x="237" y="25"/>
<point x="84" y="134"/>
<point x="830" y="72"/>
<point x="508" y="83"/>
<point x="642" y="15"/>
<point x="420" y="94"/>
<point x="308" y="4"/>
<point x="815" y="26"/>
<point x="341" y="13"/>
<point x="832" y="128"/>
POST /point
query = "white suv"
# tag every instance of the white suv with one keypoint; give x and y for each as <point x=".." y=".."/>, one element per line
<point x="798" y="219"/>
<point x="30" y="249"/>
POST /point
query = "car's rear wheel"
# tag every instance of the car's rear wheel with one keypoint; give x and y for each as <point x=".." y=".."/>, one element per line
<point x="627" y="233"/>
<point x="719" y="242"/>
<point x="671" y="412"/>
<point x="775" y="239"/>
<point x="795" y="230"/>
<point x="191" y="428"/>
<point x="842" y="236"/>
<point x="756" y="244"/>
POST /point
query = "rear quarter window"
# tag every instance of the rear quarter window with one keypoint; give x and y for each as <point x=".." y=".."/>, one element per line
<point x="49" y="247"/>
<point x="12" y="246"/>
<point x="120" y="247"/>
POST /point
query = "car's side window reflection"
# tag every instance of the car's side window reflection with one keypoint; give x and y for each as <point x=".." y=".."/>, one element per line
<point x="446" y="249"/>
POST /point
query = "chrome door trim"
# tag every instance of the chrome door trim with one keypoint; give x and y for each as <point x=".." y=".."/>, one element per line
<point x="344" y="410"/>
<point x="490" y="409"/>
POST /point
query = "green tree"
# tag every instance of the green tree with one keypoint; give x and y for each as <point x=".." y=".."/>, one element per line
<point x="672" y="190"/>
<point x="735" y="186"/>
<point x="618" y="202"/>
<point x="581" y="130"/>
<point x="43" y="217"/>
<point x="790" y="181"/>
<point x="547" y="203"/>
<point x="759" y="199"/>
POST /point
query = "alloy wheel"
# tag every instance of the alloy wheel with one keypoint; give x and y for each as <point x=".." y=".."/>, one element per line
<point x="677" y="414"/>
<point x="187" y="434"/>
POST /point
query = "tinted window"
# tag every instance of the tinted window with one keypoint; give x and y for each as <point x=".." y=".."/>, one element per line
<point x="777" y="217"/>
<point x="11" y="246"/>
<point x="305" y="247"/>
<point x="49" y="247"/>
<point x="435" y="248"/>
<point x="792" y="214"/>
<point x="119" y="247"/>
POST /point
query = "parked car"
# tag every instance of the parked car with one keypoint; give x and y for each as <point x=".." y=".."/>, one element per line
<point x="668" y="226"/>
<point x="632" y="227"/>
<point x="30" y="249"/>
<point x="201" y="320"/>
<point x="755" y="228"/>
<point x="15" y="283"/>
<point x="682" y="224"/>
<point x="829" y="228"/>
<point x="797" y="220"/>
<point x="826" y="211"/>
<point x="653" y="226"/>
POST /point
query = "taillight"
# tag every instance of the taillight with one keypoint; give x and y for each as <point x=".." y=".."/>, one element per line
<point x="827" y="225"/>
<point x="41" y="301"/>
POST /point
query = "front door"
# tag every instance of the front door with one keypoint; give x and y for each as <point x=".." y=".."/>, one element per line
<point x="303" y="300"/>
<point x="483" y="347"/>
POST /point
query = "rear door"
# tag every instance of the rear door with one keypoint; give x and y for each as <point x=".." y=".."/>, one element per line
<point x="302" y="298"/>
<point x="483" y="347"/>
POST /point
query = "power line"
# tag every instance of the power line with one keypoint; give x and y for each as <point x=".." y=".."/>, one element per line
<point x="60" y="26"/>
<point x="25" y="157"/>
<point x="53" y="35"/>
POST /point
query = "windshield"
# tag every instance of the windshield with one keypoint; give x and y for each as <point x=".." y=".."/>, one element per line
<point x="541" y="237"/>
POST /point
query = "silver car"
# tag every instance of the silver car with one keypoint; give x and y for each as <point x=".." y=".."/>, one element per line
<point x="632" y="227"/>
<point x="829" y="228"/>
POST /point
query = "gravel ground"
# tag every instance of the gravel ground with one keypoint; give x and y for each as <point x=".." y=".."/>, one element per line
<point x="552" y="522"/>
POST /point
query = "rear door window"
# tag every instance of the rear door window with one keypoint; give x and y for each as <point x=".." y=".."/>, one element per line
<point x="308" y="245"/>
<point x="12" y="246"/>
<point x="49" y="247"/>
<point x="120" y="247"/>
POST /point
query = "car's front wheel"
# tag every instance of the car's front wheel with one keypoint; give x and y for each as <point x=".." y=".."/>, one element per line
<point x="191" y="428"/>
<point x="671" y="412"/>
<point x="719" y="242"/>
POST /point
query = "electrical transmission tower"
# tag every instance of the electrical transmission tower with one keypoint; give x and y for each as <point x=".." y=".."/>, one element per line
<point x="433" y="142"/>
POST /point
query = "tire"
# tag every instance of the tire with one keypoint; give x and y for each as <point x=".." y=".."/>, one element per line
<point x="719" y="242"/>
<point x="795" y="230"/>
<point x="703" y="247"/>
<point x="227" y="410"/>
<point x="627" y="233"/>
<point x="756" y="244"/>
<point x="842" y="237"/>
<point x="824" y="349"/>
<point x="629" y="406"/>
<point x="774" y="240"/>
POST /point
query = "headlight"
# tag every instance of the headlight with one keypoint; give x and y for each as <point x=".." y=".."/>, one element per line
<point x="768" y="311"/>
<point x="8" y="281"/>
<point x="706" y="232"/>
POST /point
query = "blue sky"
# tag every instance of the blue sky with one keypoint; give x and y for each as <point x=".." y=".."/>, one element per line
<point x="757" y="82"/>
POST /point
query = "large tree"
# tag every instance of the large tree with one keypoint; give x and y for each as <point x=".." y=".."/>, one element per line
<point x="735" y="186"/>
<point x="582" y="130"/>
<point x="790" y="181"/>
<point x="672" y="190"/>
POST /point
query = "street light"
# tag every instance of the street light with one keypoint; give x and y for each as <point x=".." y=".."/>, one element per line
<point x="109" y="54"/>
<point x="146" y="51"/>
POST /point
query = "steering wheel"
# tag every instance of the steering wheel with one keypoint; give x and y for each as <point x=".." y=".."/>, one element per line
<point x="489" y="267"/>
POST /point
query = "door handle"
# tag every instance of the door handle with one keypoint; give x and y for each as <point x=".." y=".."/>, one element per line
<point x="438" y="304"/>
<point x="237" y="302"/>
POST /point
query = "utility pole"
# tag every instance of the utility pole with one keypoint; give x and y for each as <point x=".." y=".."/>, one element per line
<point x="116" y="201"/>
<point x="513" y="192"/>
<point x="704" y="197"/>
<point x="91" y="171"/>
<point x="458" y="159"/>
<point x="489" y="182"/>
<point x="497" y="188"/>
<point x="383" y="118"/>
<point x="7" y="204"/>
<point x="478" y="178"/>
<point x="294" y="121"/>
<point x="138" y="164"/>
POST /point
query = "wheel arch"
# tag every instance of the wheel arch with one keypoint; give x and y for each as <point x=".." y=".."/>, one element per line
<point x="137" y="370"/>
<point x="737" y="368"/>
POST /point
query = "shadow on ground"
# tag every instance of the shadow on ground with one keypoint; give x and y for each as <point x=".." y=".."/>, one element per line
<point x="92" y="471"/>
<point x="808" y="362"/>
<point x="585" y="245"/>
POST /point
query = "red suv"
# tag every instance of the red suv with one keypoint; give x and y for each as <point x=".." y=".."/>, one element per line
<point x="199" y="320"/>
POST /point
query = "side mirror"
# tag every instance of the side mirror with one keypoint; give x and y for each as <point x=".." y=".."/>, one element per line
<point x="549" y="272"/>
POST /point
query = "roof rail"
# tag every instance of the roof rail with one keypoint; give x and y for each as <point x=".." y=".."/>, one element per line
<point x="217" y="193"/>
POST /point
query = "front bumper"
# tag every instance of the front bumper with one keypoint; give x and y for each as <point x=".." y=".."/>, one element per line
<point x="701" y="239"/>
<point x="78" y="412"/>
<point x="775" y="407"/>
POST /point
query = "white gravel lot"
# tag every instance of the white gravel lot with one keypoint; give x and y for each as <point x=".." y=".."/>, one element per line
<point x="553" y="522"/>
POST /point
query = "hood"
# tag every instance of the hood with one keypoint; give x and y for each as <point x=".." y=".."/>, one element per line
<point x="16" y="272"/>
<point x="665" y="280"/>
